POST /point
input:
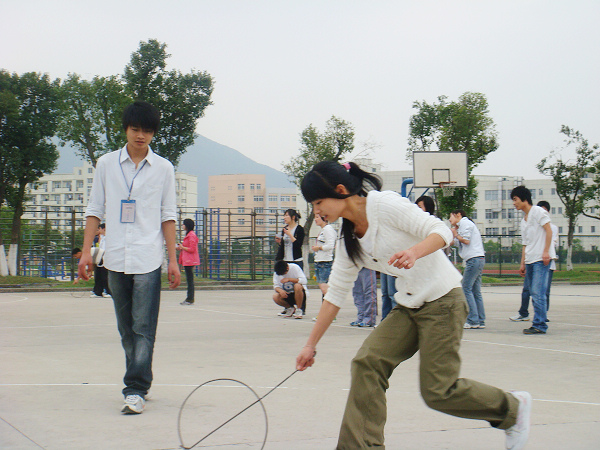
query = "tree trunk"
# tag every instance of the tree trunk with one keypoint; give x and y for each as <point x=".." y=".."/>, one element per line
<point x="570" y="246"/>
<point x="3" y="263"/>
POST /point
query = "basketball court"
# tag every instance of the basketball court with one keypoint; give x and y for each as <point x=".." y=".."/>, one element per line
<point x="62" y="366"/>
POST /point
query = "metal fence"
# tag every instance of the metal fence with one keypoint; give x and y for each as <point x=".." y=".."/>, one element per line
<point x="233" y="245"/>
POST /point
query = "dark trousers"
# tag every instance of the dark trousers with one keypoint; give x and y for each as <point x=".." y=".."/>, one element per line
<point x="189" y="277"/>
<point x="101" y="281"/>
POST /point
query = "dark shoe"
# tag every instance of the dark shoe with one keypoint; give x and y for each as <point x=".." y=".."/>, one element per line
<point x="533" y="330"/>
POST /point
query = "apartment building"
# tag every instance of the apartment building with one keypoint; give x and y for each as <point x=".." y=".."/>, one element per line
<point x="56" y="195"/>
<point x="244" y="194"/>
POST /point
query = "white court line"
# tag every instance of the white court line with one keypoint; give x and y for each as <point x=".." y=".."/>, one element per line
<point x="237" y="386"/>
<point x="20" y="299"/>
<point x="531" y="348"/>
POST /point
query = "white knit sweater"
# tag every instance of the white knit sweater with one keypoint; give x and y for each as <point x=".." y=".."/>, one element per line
<point x="397" y="224"/>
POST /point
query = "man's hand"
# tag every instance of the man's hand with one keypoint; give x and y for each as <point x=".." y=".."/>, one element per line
<point x="306" y="358"/>
<point x="85" y="266"/>
<point x="282" y="293"/>
<point x="174" y="275"/>
<point x="546" y="258"/>
<point x="522" y="270"/>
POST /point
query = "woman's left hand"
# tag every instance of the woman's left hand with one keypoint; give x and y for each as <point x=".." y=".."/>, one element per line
<point x="404" y="259"/>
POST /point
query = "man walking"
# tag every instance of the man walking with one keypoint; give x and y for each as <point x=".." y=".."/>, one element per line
<point x="134" y="189"/>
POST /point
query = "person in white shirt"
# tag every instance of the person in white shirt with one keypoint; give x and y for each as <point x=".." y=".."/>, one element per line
<point x="523" y="314"/>
<point x="290" y="285"/>
<point x="537" y="253"/>
<point x="323" y="249"/>
<point x="134" y="189"/>
<point x="101" y="288"/>
<point x="386" y="232"/>
<point x="470" y="248"/>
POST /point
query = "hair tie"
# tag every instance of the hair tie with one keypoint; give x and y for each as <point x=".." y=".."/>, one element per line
<point x="347" y="166"/>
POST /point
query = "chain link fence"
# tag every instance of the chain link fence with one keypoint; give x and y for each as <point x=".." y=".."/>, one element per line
<point x="233" y="245"/>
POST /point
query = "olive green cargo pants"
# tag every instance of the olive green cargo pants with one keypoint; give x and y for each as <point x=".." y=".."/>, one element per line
<point x="436" y="330"/>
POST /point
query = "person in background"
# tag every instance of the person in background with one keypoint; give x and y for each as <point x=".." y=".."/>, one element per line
<point x="292" y="237"/>
<point x="364" y="293"/>
<point x="290" y="285"/>
<point x="101" y="288"/>
<point x="323" y="248"/>
<point x="426" y="203"/>
<point x="189" y="258"/>
<point x="523" y="314"/>
<point x="538" y="251"/>
<point x="470" y="248"/>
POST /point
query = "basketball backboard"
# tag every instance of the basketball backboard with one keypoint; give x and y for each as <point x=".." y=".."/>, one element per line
<point x="432" y="168"/>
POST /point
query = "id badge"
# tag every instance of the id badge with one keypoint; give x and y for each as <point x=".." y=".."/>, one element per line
<point x="127" y="211"/>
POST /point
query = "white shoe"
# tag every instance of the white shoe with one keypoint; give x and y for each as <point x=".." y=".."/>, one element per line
<point x="517" y="435"/>
<point x="287" y="312"/>
<point x="134" y="404"/>
<point x="519" y="318"/>
<point x="92" y="295"/>
<point x="106" y="295"/>
<point x="468" y="326"/>
<point x="298" y="313"/>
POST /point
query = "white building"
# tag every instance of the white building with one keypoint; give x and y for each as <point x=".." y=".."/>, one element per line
<point x="56" y="195"/>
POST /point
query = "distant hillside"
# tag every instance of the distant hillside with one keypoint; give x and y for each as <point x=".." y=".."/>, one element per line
<point x="202" y="159"/>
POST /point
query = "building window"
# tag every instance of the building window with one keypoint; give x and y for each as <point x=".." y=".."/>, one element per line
<point x="560" y="229"/>
<point x="560" y="209"/>
<point x="580" y="229"/>
<point x="533" y="191"/>
<point x="259" y="210"/>
<point x="90" y="170"/>
<point x="541" y="192"/>
<point x="241" y="210"/>
<point x="489" y="214"/>
<point x="272" y="221"/>
<point x="553" y="211"/>
<point x="251" y="186"/>
<point x="593" y="229"/>
<point x="294" y="198"/>
<point x="241" y="221"/>
<point x="272" y="198"/>
<point x="212" y="188"/>
<point x="491" y="195"/>
<point x="79" y="185"/>
<point x="503" y="215"/>
<point x="90" y="180"/>
<point x="258" y="186"/>
<point x="259" y="198"/>
<point x="241" y="186"/>
<point x="474" y="215"/>
<point x="260" y="221"/>
<point x="241" y="198"/>
<point x="285" y="198"/>
<point x="67" y="185"/>
<point x="553" y="191"/>
<point x="55" y="185"/>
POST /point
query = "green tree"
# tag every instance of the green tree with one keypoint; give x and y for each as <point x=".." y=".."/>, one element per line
<point x="181" y="98"/>
<point x="570" y="180"/>
<point x="26" y="143"/>
<point x="91" y="115"/>
<point x="333" y="144"/>
<point x="461" y="126"/>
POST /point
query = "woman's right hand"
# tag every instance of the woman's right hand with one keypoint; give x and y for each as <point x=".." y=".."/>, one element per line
<point x="306" y="358"/>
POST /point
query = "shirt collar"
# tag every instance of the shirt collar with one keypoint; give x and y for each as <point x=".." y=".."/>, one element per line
<point x="150" y="156"/>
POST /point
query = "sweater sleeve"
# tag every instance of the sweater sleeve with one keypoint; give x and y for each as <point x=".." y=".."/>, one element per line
<point x="329" y="235"/>
<point x="343" y="274"/>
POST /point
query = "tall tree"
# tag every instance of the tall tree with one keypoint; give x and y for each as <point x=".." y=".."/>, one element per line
<point x="181" y="98"/>
<point x="461" y="126"/>
<point x="26" y="137"/>
<point x="91" y="115"/>
<point x="570" y="180"/>
<point x="333" y="144"/>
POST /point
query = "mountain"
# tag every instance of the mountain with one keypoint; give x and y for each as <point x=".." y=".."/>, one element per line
<point x="203" y="158"/>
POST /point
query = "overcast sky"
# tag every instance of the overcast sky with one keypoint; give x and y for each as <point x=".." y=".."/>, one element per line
<point x="282" y="65"/>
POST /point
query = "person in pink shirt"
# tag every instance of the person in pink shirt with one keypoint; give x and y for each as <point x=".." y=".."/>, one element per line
<point x="188" y="258"/>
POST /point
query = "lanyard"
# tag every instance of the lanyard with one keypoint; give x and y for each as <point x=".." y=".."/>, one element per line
<point x="136" y="174"/>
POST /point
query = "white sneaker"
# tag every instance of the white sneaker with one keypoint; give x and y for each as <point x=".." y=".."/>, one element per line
<point x="134" y="404"/>
<point x="106" y="295"/>
<point x="298" y="313"/>
<point x="519" y="318"/>
<point x="468" y="326"/>
<point x="287" y="312"/>
<point x="516" y="436"/>
<point x="92" y="295"/>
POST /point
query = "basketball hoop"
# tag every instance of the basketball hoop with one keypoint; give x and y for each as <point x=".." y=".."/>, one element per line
<point x="447" y="188"/>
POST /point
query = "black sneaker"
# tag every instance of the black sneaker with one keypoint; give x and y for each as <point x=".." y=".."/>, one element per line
<point x="533" y="330"/>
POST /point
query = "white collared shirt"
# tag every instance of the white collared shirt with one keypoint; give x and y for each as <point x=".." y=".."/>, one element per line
<point x="469" y="231"/>
<point x="133" y="248"/>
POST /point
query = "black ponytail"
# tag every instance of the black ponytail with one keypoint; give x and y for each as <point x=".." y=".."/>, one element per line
<point x="321" y="182"/>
